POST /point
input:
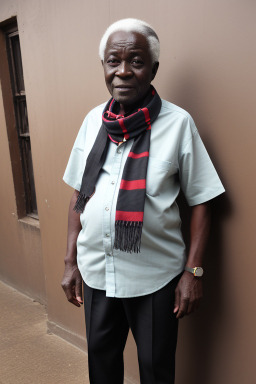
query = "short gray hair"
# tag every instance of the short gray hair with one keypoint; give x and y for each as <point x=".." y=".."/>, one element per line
<point x="133" y="25"/>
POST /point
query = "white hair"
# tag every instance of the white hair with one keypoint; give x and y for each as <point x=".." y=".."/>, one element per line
<point x="133" y="25"/>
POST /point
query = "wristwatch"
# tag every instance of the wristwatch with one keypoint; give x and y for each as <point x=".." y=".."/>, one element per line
<point x="197" y="271"/>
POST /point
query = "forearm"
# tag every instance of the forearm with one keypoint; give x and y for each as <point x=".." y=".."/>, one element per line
<point x="199" y="233"/>
<point x="189" y="289"/>
<point x="72" y="280"/>
<point x="74" y="227"/>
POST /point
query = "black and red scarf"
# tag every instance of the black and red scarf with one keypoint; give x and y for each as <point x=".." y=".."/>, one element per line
<point x="131" y="197"/>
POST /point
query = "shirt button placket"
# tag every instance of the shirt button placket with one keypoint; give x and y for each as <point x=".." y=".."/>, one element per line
<point x="108" y="224"/>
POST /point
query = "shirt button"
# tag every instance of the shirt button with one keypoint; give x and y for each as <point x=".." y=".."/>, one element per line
<point x="107" y="234"/>
<point x="107" y="209"/>
<point x="119" y="151"/>
<point x="112" y="182"/>
<point x="108" y="254"/>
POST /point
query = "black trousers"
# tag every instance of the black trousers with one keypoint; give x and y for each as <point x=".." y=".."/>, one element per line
<point x="154" y="328"/>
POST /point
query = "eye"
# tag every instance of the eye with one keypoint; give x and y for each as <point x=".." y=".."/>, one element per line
<point x="137" y="62"/>
<point x="112" y="61"/>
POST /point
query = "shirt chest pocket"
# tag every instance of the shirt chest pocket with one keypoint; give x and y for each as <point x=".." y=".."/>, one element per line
<point x="158" y="173"/>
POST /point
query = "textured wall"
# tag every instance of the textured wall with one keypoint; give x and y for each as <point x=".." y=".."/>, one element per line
<point x="207" y="66"/>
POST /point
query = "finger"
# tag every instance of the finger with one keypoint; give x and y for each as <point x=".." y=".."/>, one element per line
<point x="78" y="291"/>
<point x="68" y="291"/>
<point x="75" y="302"/>
<point x="194" y="301"/>
<point x="176" y="301"/>
<point x="191" y="307"/>
<point x="183" y="308"/>
<point x="73" y="299"/>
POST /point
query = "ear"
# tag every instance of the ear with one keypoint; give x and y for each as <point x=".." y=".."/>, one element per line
<point x="155" y="69"/>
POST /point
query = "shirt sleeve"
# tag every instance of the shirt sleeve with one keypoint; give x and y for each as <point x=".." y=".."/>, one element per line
<point x="198" y="177"/>
<point x="76" y="163"/>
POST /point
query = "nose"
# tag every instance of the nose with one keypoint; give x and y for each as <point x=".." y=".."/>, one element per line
<point x="124" y="70"/>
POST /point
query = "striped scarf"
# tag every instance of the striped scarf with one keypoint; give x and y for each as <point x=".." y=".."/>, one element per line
<point x="132" y="192"/>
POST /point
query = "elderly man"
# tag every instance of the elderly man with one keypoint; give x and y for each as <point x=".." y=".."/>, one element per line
<point x="130" y="159"/>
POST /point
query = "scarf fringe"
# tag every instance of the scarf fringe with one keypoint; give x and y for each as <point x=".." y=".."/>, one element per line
<point x="128" y="236"/>
<point x="81" y="202"/>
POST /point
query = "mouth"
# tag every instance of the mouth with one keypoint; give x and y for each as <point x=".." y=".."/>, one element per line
<point x="123" y="87"/>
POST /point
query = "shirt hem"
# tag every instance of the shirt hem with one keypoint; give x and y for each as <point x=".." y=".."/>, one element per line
<point x="139" y="294"/>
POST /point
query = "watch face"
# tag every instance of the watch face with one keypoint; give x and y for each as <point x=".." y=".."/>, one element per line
<point x="199" y="272"/>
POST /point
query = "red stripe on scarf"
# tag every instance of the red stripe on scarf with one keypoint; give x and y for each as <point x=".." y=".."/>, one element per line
<point x="116" y="142"/>
<point x="110" y="105"/>
<point x="138" y="155"/>
<point x="147" y="117"/>
<point x="121" y="122"/>
<point x="133" y="184"/>
<point x="129" y="216"/>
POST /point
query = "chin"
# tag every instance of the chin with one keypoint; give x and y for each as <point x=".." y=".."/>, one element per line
<point x="126" y="99"/>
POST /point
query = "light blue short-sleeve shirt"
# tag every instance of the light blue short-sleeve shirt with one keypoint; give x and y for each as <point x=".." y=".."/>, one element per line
<point x="177" y="159"/>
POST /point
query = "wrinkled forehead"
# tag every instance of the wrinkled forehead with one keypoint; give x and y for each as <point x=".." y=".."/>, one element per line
<point x="125" y="39"/>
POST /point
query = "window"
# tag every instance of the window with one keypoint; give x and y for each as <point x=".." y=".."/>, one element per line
<point x="26" y="190"/>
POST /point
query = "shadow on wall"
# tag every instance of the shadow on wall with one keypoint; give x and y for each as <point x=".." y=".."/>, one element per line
<point x="198" y="332"/>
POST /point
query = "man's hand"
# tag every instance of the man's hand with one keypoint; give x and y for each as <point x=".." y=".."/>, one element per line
<point x="188" y="293"/>
<point x="72" y="284"/>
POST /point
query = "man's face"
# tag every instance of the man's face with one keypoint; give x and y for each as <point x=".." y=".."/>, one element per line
<point x="128" y="68"/>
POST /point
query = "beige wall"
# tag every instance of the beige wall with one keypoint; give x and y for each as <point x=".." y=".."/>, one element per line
<point x="21" y="261"/>
<point x="207" y="66"/>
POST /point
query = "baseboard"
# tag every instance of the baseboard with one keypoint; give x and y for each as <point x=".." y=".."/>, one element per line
<point x="70" y="337"/>
<point x="38" y="296"/>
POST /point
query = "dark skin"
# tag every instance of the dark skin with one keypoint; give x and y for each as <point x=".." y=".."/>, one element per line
<point x="72" y="280"/>
<point x="189" y="290"/>
<point x="129" y="71"/>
